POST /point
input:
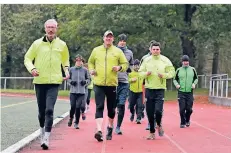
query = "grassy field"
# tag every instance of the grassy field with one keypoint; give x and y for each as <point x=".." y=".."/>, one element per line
<point x="169" y="95"/>
<point x="172" y="95"/>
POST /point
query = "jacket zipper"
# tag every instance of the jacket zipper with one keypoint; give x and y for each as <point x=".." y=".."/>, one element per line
<point x="50" y="59"/>
<point x="185" y="80"/>
<point x="77" y="79"/>
<point x="106" y="67"/>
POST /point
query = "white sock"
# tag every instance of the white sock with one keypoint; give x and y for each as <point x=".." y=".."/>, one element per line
<point x="47" y="135"/>
<point x="99" y="122"/>
<point x="42" y="131"/>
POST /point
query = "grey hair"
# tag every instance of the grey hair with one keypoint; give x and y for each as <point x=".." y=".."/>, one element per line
<point x="51" y="20"/>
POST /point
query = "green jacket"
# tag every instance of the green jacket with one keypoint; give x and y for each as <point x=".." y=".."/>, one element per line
<point x="48" y="60"/>
<point x="156" y="64"/>
<point x="185" y="77"/>
<point x="102" y="60"/>
<point x="137" y="85"/>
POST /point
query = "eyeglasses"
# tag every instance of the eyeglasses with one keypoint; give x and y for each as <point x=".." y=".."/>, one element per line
<point x="51" y="27"/>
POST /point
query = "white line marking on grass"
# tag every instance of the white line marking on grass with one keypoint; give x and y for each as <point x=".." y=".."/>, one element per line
<point x="27" y="140"/>
<point x="20" y="103"/>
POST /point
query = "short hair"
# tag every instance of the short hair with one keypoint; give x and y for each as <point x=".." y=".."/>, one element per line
<point x="51" y="20"/>
<point x="155" y="44"/>
<point x="83" y="60"/>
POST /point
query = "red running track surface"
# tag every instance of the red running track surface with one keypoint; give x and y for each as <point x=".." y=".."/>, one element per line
<point x="210" y="132"/>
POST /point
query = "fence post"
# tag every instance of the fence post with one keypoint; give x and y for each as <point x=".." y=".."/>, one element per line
<point x="213" y="87"/>
<point x="226" y="91"/>
<point x="205" y="82"/>
<point x="210" y="87"/>
<point x="222" y="86"/>
<point x="5" y="84"/>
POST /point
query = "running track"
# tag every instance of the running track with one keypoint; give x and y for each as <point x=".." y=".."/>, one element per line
<point x="210" y="132"/>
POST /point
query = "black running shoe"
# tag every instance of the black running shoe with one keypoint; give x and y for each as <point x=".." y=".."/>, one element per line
<point x="70" y="122"/>
<point x="99" y="136"/>
<point x="109" y="133"/>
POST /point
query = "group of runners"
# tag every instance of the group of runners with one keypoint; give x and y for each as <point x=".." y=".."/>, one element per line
<point x="112" y="73"/>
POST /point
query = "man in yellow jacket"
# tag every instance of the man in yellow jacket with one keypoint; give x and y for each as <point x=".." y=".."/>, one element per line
<point x="48" y="54"/>
<point x="156" y="69"/>
<point x="104" y="63"/>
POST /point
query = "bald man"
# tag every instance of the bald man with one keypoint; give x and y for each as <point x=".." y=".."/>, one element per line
<point x="49" y="54"/>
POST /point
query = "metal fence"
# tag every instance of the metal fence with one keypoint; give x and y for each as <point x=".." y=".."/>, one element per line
<point x="220" y="86"/>
<point x="25" y="83"/>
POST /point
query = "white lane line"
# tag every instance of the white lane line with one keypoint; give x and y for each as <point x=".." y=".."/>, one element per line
<point x="211" y="130"/>
<point x="207" y="128"/>
<point x="103" y="150"/>
<point x="175" y="143"/>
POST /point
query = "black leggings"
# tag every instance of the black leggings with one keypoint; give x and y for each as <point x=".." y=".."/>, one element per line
<point x="46" y="98"/>
<point x="76" y="101"/>
<point x="88" y="96"/>
<point x="136" y="99"/>
<point x="185" y="106"/>
<point x="100" y="93"/>
<point x="154" y="107"/>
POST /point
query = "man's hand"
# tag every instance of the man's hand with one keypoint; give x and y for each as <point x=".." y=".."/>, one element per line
<point x="178" y="86"/>
<point x="93" y="72"/>
<point x="116" y="68"/>
<point x="160" y="75"/>
<point x="133" y="79"/>
<point x="35" y="72"/>
<point x="83" y="82"/>
<point x="148" y="73"/>
<point x="73" y="83"/>
<point x="193" y="86"/>
<point x="67" y="77"/>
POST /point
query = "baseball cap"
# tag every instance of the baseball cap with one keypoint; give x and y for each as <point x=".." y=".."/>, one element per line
<point x="108" y="32"/>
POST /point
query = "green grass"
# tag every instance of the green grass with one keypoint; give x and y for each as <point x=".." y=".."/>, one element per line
<point x="169" y="95"/>
<point x="64" y="93"/>
<point x="172" y="95"/>
<point x="18" y="91"/>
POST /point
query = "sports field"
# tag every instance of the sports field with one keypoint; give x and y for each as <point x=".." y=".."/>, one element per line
<point x="209" y="131"/>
